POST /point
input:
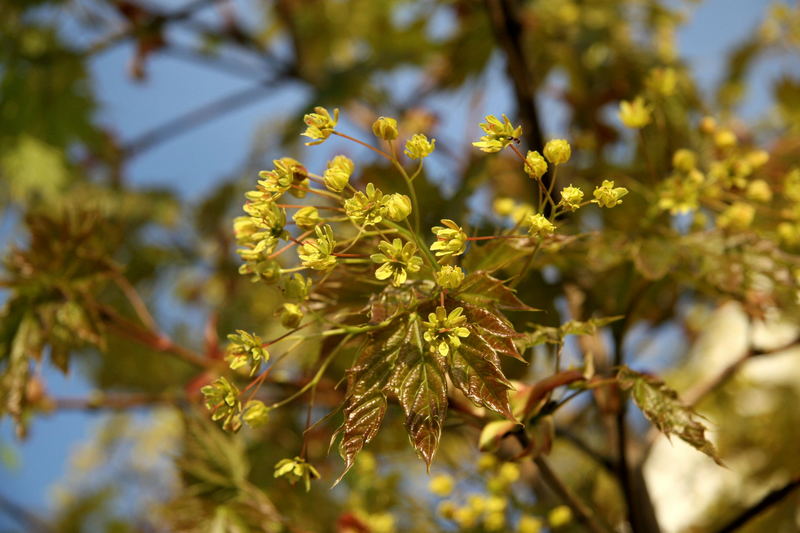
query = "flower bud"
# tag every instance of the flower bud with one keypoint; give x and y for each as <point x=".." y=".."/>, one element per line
<point x="725" y="138"/>
<point x="684" y="160"/>
<point x="708" y="125"/>
<point x="535" y="165"/>
<point x="503" y="206"/>
<point x="398" y="206"/>
<point x="291" y="316"/>
<point x="557" y="151"/>
<point x="759" y="191"/>
<point x="307" y="217"/>
<point x="337" y="175"/>
<point x="757" y="158"/>
<point x="385" y="128"/>
<point x="441" y="485"/>
<point x="450" y="277"/>
<point x="737" y="216"/>
<point x="419" y="147"/>
<point x="529" y="524"/>
<point x="559" y="516"/>
<point x="297" y="288"/>
<point x="255" y="413"/>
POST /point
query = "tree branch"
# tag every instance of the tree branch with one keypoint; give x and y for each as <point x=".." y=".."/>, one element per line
<point x="772" y="498"/>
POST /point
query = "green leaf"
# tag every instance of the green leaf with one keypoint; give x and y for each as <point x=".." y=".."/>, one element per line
<point x="419" y="383"/>
<point x="663" y="408"/>
<point x="482" y="289"/>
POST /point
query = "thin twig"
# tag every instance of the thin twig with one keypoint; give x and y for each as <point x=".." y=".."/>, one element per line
<point x="772" y="498"/>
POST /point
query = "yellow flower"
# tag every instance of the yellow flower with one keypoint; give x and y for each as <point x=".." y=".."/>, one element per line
<point x="759" y="191"/>
<point x="222" y="399"/>
<point x="397" y="260"/>
<point x="535" y="165"/>
<point x="419" y="147"/>
<point x="287" y="172"/>
<point x="255" y="413"/>
<point x="291" y="316"/>
<point x="441" y="485"/>
<point x="539" y="226"/>
<point x="559" y="516"/>
<point x="246" y="349"/>
<point x="337" y="175"/>
<point x="398" y="206"/>
<point x="366" y="209"/>
<point x="450" y="239"/>
<point x="498" y="134"/>
<point x="684" y="160"/>
<point x="634" y="114"/>
<point x="307" y="217"/>
<point x="318" y="253"/>
<point x="295" y="470"/>
<point x="320" y="125"/>
<point x="725" y="138"/>
<point x="450" y="277"/>
<point x="737" y="216"/>
<point x="557" y="151"/>
<point x="503" y="206"/>
<point x="606" y="195"/>
<point x="571" y="198"/>
<point x="385" y="128"/>
<point x="529" y="524"/>
<point x="443" y="332"/>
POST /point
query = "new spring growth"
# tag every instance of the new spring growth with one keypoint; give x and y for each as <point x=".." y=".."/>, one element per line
<point x="337" y="175"/>
<point x="320" y="125"/>
<point x="297" y="288"/>
<point x="571" y="198"/>
<point x="635" y="114"/>
<point x="307" y="217"/>
<point x="318" y="253"/>
<point x="535" y="165"/>
<point x="450" y="277"/>
<point x="296" y="469"/>
<point x="385" y="128"/>
<point x="246" y="349"/>
<point x="255" y="414"/>
<point x="684" y="160"/>
<point x="222" y="399"/>
<point x="419" y="147"/>
<point x="291" y="315"/>
<point x="287" y="172"/>
<point x="450" y="239"/>
<point x="606" y="195"/>
<point x="396" y="260"/>
<point x="444" y="332"/>
<point x="366" y="209"/>
<point x="397" y="206"/>
<point x="498" y="134"/>
<point x="539" y="226"/>
<point x="557" y="151"/>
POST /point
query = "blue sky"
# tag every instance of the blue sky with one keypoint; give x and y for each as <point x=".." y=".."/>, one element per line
<point x="192" y="163"/>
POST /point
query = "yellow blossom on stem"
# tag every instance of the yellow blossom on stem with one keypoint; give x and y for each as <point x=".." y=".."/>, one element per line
<point x="419" y="147"/>
<point x="557" y="151"/>
<point x="450" y="277"/>
<point x="450" y="239"/>
<point x="606" y="195"/>
<point x="535" y="165"/>
<point x="635" y="114"/>
<point x="571" y="198"/>
<point x="318" y="253"/>
<point x="385" y="128"/>
<point x="337" y="175"/>
<point x="499" y="134"/>
<point x="444" y="332"/>
<point x="397" y="260"/>
<point x="320" y="125"/>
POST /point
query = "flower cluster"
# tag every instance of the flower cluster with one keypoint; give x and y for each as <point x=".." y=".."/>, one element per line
<point x="443" y="332"/>
<point x="246" y="349"/>
<point x="222" y="399"/>
<point x="450" y="239"/>
<point x="296" y="469"/>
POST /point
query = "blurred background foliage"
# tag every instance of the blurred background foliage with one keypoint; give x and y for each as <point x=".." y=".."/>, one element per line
<point x="133" y="286"/>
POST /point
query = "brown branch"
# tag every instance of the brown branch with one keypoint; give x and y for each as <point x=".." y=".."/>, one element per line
<point x="155" y="341"/>
<point x="508" y="34"/>
<point x="772" y="498"/>
<point x="582" y="512"/>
